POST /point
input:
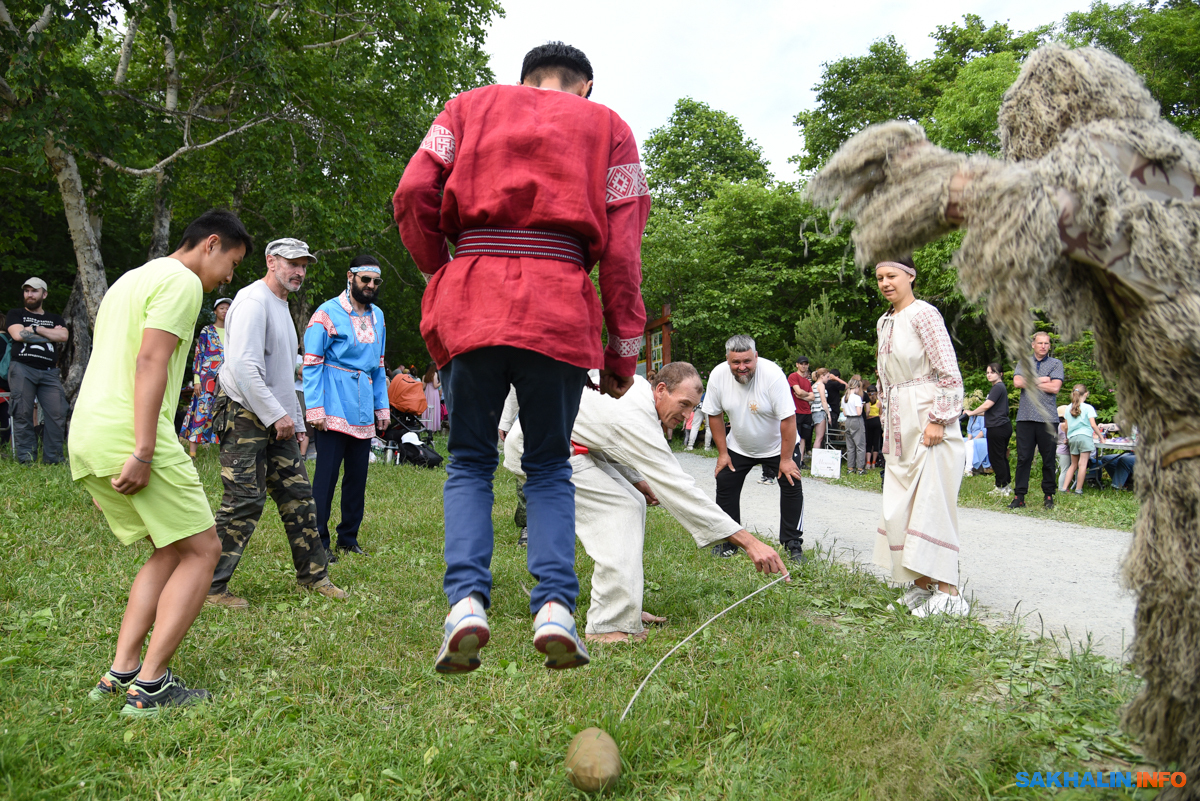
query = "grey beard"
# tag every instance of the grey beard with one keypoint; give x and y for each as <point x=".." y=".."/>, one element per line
<point x="743" y="379"/>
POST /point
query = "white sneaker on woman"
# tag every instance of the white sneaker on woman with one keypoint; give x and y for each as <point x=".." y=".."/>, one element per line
<point x="915" y="597"/>
<point x="943" y="603"/>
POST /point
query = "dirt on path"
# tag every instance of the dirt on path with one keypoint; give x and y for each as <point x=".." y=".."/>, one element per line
<point x="1060" y="578"/>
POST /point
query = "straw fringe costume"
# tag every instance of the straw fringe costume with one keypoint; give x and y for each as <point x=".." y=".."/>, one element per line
<point x="919" y="384"/>
<point x="1093" y="217"/>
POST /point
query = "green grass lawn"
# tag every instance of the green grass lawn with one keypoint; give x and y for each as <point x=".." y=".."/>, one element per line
<point x="810" y="690"/>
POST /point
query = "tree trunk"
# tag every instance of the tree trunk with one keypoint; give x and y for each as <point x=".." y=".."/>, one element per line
<point x="91" y="279"/>
<point x="161" y="227"/>
<point x="79" y="347"/>
<point x="301" y="311"/>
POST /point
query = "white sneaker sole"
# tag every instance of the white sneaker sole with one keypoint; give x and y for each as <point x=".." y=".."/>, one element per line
<point x="460" y="650"/>
<point x="562" y="649"/>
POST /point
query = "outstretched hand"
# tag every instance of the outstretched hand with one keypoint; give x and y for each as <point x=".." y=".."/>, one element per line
<point x="766" y="559"/>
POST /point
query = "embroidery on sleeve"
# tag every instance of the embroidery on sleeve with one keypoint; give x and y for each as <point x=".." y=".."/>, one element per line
<point x="321" y="318"/>
<point x="939" y="350"/>
<point x="626" y="181"/>
<point x="626" y="347"/>
<point x="440" y="142"/>
<point x="311" y="359"/>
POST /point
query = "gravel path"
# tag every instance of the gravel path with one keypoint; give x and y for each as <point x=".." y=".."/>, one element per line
<point x="1067" y="574"/>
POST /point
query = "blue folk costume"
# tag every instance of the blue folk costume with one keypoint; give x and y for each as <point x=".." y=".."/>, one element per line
<point x="345" y="387"/>
<point x="344" y="380"/>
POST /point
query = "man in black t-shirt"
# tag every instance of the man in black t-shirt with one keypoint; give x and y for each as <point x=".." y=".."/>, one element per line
<point x="33" y="375"/>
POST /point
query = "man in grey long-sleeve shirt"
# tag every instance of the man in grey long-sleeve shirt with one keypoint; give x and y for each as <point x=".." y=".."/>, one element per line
<point x="255" y="415"/>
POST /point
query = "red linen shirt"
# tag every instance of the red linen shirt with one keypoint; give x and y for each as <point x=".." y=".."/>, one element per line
<point x="521" y="157"/>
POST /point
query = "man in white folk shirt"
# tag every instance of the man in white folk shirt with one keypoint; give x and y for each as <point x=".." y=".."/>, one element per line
<point x="628" y="465"/>
<point x="755" y="394"/>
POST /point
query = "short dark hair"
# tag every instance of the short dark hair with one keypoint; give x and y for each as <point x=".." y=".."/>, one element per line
<point x="221" y="222"/>
<point x="363" y="260"/>
<point x="675" y="373"/>
<point x="568" y="64"/>
<point x="836" y="372"/>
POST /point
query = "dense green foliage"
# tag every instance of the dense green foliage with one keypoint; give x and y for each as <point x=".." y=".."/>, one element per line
<point x="322" y="103"/>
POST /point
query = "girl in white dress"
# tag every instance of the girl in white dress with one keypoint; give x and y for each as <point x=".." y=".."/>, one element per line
<point x="921" y="392"/>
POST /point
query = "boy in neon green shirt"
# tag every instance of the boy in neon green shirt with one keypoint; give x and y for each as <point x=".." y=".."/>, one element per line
<point x="124" y="450"/>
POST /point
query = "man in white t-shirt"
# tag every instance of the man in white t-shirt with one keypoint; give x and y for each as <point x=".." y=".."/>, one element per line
<point x="755" y="394"/>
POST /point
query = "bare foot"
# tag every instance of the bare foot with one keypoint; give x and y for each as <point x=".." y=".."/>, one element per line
<point x="615" y="636"/>
<point x="653" y="620"/>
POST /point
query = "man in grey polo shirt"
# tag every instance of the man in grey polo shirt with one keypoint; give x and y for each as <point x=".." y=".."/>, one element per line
<point x="256" y="416"/>
<point x="1037" y="418"/>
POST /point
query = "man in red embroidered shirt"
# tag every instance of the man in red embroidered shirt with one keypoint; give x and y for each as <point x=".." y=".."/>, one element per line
<point x="534" y="185"/>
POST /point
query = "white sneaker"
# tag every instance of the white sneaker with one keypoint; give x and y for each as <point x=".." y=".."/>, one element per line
<point x="1006" y="491"/>
<point x="554" y="635"/>
<point x="466" y="632"/>
<point x="996" y="491"/>
<point x="943" y="603"/>
<point x="915" y="597"/>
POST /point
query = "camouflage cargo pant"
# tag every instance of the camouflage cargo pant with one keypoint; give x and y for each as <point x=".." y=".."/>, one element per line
<point x="254" y="462"/>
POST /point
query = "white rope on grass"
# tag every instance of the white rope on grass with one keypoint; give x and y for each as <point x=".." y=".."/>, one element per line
<point x="690" y="636"/>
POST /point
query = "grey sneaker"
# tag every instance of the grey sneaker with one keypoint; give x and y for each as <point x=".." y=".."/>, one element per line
<point x="523" y="537"/>
<point x="767" y="480"/>
<point x="467" y="631"/>
<point x="555" y="635"/>
<point x="142" y="704"/>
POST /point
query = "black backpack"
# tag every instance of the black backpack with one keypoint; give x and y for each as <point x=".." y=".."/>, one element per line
<point x="422" y="455"/>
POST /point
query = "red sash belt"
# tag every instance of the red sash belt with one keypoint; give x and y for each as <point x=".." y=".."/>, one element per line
<point x="513" y="242"/>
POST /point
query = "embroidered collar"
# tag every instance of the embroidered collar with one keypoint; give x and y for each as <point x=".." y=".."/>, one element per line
<point x="344" y="300"/>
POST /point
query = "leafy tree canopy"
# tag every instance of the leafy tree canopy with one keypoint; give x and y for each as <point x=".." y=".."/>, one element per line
<point x="699" y="148"/>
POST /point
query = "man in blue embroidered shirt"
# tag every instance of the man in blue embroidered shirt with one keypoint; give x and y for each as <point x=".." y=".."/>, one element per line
<point x="345" y="391"/>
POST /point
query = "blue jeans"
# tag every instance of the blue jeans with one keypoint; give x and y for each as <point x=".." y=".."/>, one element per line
<point x="1119" y="466"/>
<point x="475" y="386"/>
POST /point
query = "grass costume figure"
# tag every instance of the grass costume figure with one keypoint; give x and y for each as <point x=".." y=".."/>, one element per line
<point x="1093" y="215"/>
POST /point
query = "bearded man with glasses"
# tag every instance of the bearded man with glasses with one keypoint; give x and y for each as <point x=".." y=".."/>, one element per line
<point x="345" y="392"/>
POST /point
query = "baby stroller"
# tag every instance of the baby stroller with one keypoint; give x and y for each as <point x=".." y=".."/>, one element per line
<point x="405" y="431"/>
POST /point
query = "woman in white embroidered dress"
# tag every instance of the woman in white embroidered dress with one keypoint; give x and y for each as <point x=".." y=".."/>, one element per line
<point x="921" y="392"/>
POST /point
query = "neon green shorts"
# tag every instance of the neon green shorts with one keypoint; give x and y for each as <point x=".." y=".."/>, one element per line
<point x="170" y="508"/>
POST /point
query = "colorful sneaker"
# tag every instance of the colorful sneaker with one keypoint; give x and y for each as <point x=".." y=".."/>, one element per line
<point x="466" y="632"/>
<point x="943" y="603"/>
<point x="142" y="704"/>
<point x="555" y="636"/>
<point x="767" y="480"/>
<point x="226" y="599"/>
<point x="109" y="686"/>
